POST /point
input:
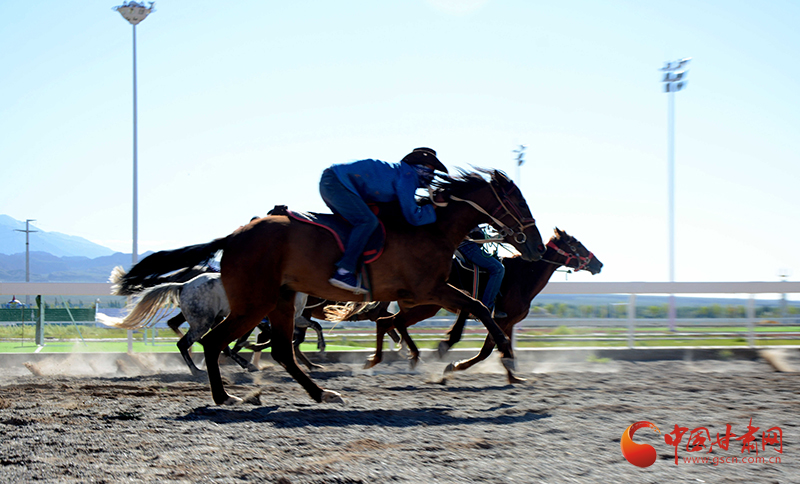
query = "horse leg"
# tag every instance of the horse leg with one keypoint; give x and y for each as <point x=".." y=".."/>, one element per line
<point x="233" y="353"/>
<point x="393" y="334"/>
<point x="381" y="326"/>
<point x="453" y="299"/>
<point x="486" y="350"/>
<point x="282" y="321"/>
<point x="320" y="335"/>
<point x="263" y="338"/>
<point x="299" y="338"/>
<point x="234" y="326"/>
<point x="175" y="323"/>
<point x="184" y="344"/>
<point x="413" y="351"/>
<point x="199" y="323"/>
<point x="409" y="317"/>
<point x="453" y="335"/>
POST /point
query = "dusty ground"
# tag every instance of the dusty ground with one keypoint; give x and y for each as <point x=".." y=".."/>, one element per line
<point x="105" y="423"/>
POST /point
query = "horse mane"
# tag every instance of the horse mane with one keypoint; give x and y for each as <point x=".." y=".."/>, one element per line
<point x="464" y="182"/>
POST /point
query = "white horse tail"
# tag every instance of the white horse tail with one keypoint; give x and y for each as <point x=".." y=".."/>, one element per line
<point x="337" y="312"/>
<point x="148" y="308"/>
<point x="115" y="278"/>
<point x="343" y="312"/>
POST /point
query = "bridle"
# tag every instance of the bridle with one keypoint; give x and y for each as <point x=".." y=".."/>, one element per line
<point x="583" y="262"/>
<point x="509" y="210"/>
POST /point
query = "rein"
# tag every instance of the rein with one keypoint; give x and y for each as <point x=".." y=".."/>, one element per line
<point x="505" y="230"/>
<point x="583" y="262"/>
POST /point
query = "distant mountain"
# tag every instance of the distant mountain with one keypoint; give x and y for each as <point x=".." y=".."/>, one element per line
<point x="54" y="257"/>
<point x="55" y="243"/>
<point x="49" y="268"/>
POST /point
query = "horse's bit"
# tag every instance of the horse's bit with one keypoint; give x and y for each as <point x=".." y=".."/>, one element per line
<point x="583" y="262"/>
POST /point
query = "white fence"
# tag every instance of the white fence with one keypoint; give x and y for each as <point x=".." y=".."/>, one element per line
<point x="751" y="290"/>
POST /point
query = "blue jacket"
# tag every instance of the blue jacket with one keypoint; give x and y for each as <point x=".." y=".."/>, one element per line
<point x="378" y="181"/>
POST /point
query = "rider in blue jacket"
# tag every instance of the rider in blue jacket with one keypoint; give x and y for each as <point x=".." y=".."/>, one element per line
<point x="348" y="188"/>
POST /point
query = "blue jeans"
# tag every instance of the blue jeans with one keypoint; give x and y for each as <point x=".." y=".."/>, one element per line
<point x="355" y="210"/>
<point x="474" y="254"/>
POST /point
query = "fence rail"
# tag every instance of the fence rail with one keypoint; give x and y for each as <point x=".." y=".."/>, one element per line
<point x="629" y="329"/>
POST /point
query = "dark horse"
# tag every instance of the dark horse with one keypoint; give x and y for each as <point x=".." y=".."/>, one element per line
<point x="269" y="260"/>
<point x="523" y="280"/>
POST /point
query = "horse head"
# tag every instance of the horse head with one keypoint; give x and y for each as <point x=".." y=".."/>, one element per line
<point x="518" y="225"/>
<point x="502" y="205"/>
<point x="572" y="253"/>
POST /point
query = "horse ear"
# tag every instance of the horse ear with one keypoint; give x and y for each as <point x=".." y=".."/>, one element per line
<point x="560" y="233"/>
<point x="501" y="177"/>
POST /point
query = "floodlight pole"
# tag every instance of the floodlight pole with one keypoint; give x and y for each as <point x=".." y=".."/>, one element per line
<point x="134" y="13"/>
<point x="519" y="159"/>
<point x="674" y="81"/>
<point x="135" y="248"/>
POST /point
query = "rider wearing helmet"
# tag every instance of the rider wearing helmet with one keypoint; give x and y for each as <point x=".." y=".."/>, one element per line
<point x="348" y="188"/>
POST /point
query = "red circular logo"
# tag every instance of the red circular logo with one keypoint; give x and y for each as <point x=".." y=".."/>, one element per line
<point x="642" y="455"/>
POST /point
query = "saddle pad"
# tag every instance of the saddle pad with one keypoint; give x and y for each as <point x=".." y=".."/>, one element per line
<point x="341" y="228"/>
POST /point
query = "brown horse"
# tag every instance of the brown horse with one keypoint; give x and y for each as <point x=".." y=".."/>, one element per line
<point x="267" y="261"/>
<point x="523" y="280"/>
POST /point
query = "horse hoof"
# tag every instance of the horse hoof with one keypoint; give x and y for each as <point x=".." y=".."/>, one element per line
<point x="442" y="349"/>
<point x="509" y="364"/>
<point x="232" y="400"/>
<point x="515" y="379"/>
<point x="413" y="362"/>
<point x="371" y="361"/>
<point x="329" y="396"/>
<point x="252" y="368"/>
<point x="316" y="367"/>
<point x="450" y="368"/>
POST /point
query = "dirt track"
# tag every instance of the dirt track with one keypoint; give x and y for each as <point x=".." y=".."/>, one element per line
<point x="564" y="425"/>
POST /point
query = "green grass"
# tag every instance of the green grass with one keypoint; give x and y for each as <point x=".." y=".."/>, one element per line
<point x="89" y="338"/>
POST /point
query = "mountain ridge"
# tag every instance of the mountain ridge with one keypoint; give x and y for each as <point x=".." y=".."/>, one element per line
<point x="54" y="257"/>
<point x="12" y="241"/>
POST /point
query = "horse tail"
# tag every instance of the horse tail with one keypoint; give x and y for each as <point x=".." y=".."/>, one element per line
<point x="183" y="275"/>
<point x="348" y="311"/>
<point x="148" y="308"/>
<point x="115" y="279"/>
<point x="145" y="273"/>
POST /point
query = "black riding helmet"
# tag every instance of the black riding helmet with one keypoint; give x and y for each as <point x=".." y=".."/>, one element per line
<point x="424" y="156"/>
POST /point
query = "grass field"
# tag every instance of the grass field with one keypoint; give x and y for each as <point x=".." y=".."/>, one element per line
<point x="88" y="338"/>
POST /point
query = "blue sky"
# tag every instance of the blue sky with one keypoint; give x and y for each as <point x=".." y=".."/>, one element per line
<point x="242" y="105"/>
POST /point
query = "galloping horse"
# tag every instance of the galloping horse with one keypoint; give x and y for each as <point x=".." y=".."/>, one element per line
<point x="523" y="280"/>
<point x="265" y="263"/>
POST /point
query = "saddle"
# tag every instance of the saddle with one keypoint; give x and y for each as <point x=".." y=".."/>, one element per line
<point x="465" y="271"/>
<point x="339" y="228"/>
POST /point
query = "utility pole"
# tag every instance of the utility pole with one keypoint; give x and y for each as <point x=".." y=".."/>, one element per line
<point x="27" y="254"/>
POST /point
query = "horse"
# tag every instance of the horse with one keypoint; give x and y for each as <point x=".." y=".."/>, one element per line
<point x="203" y="304"/>
<point x="522" y="282"/>
<point x="266" y="262"/>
